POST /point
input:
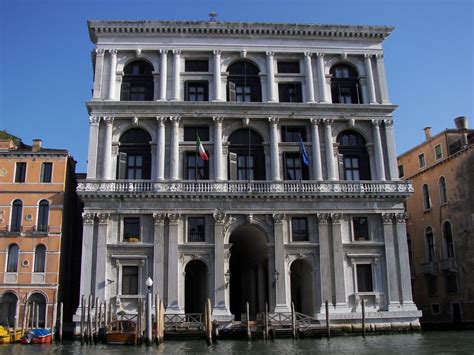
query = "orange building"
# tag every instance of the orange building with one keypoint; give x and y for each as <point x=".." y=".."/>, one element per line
<point x="38" y="230"/>
<point x="440" y="227"/>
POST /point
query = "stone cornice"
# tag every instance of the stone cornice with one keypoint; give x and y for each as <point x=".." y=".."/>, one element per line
<point x="236" y="29"/>
<point x="233" y="109"/>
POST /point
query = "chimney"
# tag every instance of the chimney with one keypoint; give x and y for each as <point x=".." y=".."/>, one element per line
<point x="36" y="145"/>
<point x="427" y="133"/>
<point x="462" y="127"/>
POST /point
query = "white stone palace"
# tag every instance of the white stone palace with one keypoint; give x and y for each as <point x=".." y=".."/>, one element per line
<point x="254" y="223"/>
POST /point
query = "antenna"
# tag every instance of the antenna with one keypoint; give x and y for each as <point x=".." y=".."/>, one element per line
<point x="213" y="16"/>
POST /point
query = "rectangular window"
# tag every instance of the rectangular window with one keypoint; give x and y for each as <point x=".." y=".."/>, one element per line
<point x="431" y="285"/>
<point x="196" y="229"/>
<point x="351" y="168"/>
<point x="131" y="229"/>
<point x="129" y="280"/>
<point x="191" y="133"/>
<point x="400" y="171"/>
<point x="20" y="173"/>
<point x="438" y="152"/>
<point x="135" y="167"/>
<point x="421" y="160"/>
<point x="360" y="228"/>
<point x="364" y="278"/>
<point x="294" y="169"/>
<point x="293" y="133"/>
<point x="290" y="92"/>
<point x="451" y="282"/>
<point x="197" y="91"/>
<point x="299" y="229"/>
<point x="46" y="172"/>
<point x="196" y="168"/>
<point x="196" y="65"/>
<point x="288" y="67"/>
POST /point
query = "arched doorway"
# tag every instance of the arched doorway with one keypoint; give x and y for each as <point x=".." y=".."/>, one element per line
<point x="195" y="286"/>
<point x="246" y="155"/>
<point x="134" y="160"/>
<point x="244" y="82"/>
<point x="8" y="309"/>
<point x="39" y="301"/>
<point x="249" y="271"/>
<point x="302" y="287"/>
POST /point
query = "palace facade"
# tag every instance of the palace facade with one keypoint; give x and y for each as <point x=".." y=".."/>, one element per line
<point x="253" y="223"/>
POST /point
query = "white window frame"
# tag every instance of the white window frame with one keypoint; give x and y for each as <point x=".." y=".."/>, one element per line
<point x="441" y="148"/>
<point x="421" y="155"/>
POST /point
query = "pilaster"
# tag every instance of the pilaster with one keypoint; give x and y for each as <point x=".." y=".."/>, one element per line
<point x="163" y="73"/>
<point x="309" y="77"/>
<point x="316" y="150"/>
<point x="393" y="299"/>
<point x="158" y="253"/>
<point x="330" y="160"/>
<point x="324" y="260"/>
<point x="174" y="147"/>
<point x="271" y="77"/>
<point x="101" y="258"/>
<point x="282" y="303"/>
<point x="176" y="74"/>
<point x="86" y="255"/>
<point x="391" y="149"/>
<point x="274" y="149"/>
<point x="370" y="78"/>
<point x="217" y="75"/>
<point x="218" y="158"/>
<point x="98" y="73"/>
<point x="160" y="148"/>
<point x="322" y="79"/>
<point x="94" y="122"/>
<point x="112" y="74"/>
<point x="378" y="150"/>
<point x="338" y="259"/>
<point x="173" y="260"/>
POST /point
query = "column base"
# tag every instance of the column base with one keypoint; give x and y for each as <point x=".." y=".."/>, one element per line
<point x="341" y="308"/>
<point x="409" y="306"/>
<point x="311" y="102"/>
<point x="222" y="314"/>
<point x="282" y="308"/>
<point x="394" y="306"/>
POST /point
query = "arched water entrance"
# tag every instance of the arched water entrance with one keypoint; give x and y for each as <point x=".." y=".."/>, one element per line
<point x="195" y="286"/>
<point x="39" y="301"/>
<point x="249" y="271"/>
<point x="302" y="287"/>
<point x="8" y="308"/>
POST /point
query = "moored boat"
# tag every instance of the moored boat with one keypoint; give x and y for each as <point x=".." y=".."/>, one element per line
<point x="37" y="336"/>
<point x="7" y="335"/>
<point x="121" y="332"/>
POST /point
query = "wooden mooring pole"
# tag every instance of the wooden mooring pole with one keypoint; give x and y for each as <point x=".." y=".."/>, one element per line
<point x="157" y="319"/>
<point x="15" y="323"/>
<point x="96" y="318"/>
<point x="61" y="318"/>
<point x="363" y="317"/>
<point x="82" y="320"/>
<point x="249" y="333"/>
<point x="209" y="321"/>
<point x="23" y="323"/>
<point x="328" y="326"/>
<point x="55" y="316"/>
<point x="89" y="320"/>
<point x="162" y="322"/>
<point x="293" y="320"/>
<point x="265" y="322"/>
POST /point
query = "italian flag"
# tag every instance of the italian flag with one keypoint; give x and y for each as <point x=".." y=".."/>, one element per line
<point x="200" y="149"/>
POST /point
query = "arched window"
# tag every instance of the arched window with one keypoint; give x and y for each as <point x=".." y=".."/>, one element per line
<point x="40" y="258"/>
<point x="443" y="196"/>
<point x="246" y="157"/>
<point x="430" y="255"/>
<point x="43" y="214"/>
<point x="134" y="160"/>
<point x="355" y="159"/>
<point x="17" y="210"/>
<point x="426" y="198"/>
<point x="344" y="85"/>
<point x="448" y="239"/>
<point x="244" y="82"/>
<point x="137" y="82"/>
<point x="12" y="261"/>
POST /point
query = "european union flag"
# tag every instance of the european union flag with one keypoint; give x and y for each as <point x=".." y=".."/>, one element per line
<point x="304" y="153"/>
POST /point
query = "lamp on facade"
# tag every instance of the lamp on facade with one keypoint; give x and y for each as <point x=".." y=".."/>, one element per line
<point x="275" y="277"/>
<point x="149" y="284"/>
<point x="227" y="278"/>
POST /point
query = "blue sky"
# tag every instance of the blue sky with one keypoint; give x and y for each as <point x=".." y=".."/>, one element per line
<point x="46" y="71"/>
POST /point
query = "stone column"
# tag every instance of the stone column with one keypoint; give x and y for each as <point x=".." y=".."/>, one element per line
<point x="176" y="73"/>
<point x="113" y="69"/>
<point x="322" y="79"/>
<point x="282" y="303"/>
<point x="316" y="150"/>
<point x="378" y="150"/>
<point x="330" y="160"/>
<point x="163" y="73"/>
<point x="370" y="78"/>
<point x="338" y="259"/>
<point x="93" y="146"/>
<point x="274" y="150"/>
<point x="218" y="159"/>
<point x="391" y="150"/>
<point x="107" y="159"/>
<point x="87" y="253"/>
<point x="393" y="299"/>
<point x="173" y="260"/>
<point x="160" y="148"/>
<point x="325" y="260"/>
<point x="158" y="254"/>
<point x="174" y="148"/>
<point x="101" y="258"/>
<point x="99" y="68"/>
<point x="382" y="79"/>
<point x="217" y="75"/>
<point x="271" y="77"/>
<point x="156" y="86"/>
<point x="404" y="263"/>
<point x="309" y="77"/>
<point x="221" y="267"/>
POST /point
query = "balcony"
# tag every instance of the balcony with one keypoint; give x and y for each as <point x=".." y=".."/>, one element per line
<point x="277" y="189"/>
<point x="429" y="268"/>
<point x="448" y="264"/>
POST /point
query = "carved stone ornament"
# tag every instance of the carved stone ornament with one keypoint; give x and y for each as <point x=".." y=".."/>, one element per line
<point x="270" y="53"/>
<point x="379" y="56"/>
<point x="245" y="121"/>
<point x="94" y="120"/>
<point x="175" y="120"/>
<point x="159" y="218"/>
<point x="218" y="120"/>
<point x="322" y="218"/>
<point x="216" y="52"/>
<point x="315" y="121"/>
<point x="401" y="217"/>
<point x="163" y="51"/>
<point x="177" y="51"/>
<point x="219" y="217"/>
<point x="351" y="122"/>
<point x="138" y="52"/>
<point x="273" y="120"/>
<point x="278" y="218"/>
<point x="135" y="121"/>
<point x="243" y="53"/>
<point x="376" y="123"/>
<point x="388" y="123"/>
<point x="103" y="217"/>
<point x="320" y="54"/>
<point x="387" y="218"/>
<point x="328" y="121"/>
<point x="368" y="55"/>
<point x="336" y="217"/>
<point x="88" y="218"/>
<point x="99" y="52"/>
<point x="173" y="218"/>
<point x="108" y="120"/>
<point x="344" y="56"/>
<point x="113" y="51"/>
<point x="308" y="54"/>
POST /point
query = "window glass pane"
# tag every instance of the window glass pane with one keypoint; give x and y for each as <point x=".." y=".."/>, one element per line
<point x="421" y="160"/>
<point x="12" y="262"/>
<point x="299" y="229"/>
<point x="17" y="211"/>
<point x="40" y="258"/>
<point x="46" y="172"/>
<point x="129" y="280"/>
<point x="43" y="215"/>
<point x="131" y="228"/>
<point x="361" y="231"/>
<point x="20" y="172"/>
<point x="438" y="152"/>
<point x="364" y="278"/>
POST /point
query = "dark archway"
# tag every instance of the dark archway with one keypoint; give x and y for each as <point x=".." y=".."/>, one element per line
<point x="355" y="158"/>
<point x="249" y="271"/>
<point x="8" y="309"/>
<point x="244" y="82"/>
<point x="302" y="287"/>
<point x="195" y="286"/>
<point x="134" y="160"/>
<point x="137" y="82"/>
<point x="37" y="299"/>
<point x="246" y="155"/>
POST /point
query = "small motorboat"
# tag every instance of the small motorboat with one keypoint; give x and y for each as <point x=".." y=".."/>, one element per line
<point x="37" y="336"/>
<point x="121" y="332"/>
<point x="7" y="335"/>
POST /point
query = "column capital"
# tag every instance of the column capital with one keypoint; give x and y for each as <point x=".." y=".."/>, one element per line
<point x="176" y="51"/>
<point x="270" y="53"/>
<point x="175" y="120"/>
<point x="376" y="123"/>
<point x="328" y="121"/>
<point x="336" y="217"/>
<point x="322" y="218"/>
<point x="94" y="120"/>
<point x="217" y="52"/>
<point x="308" y="54"/>
<point x="88" y="218"/>
<point x="103" y="218"/>
<point x="379" y="56"/>
<point x="100" y="52"/>
<point x="388" y="122"/>
<point x="273" y="120"/>
<point x="159" y="218"/>
<point x="163" y="51"/>
<point x="278" y="218"/>
<point x="108" y="120"/>
<point x="315" y="121"/>
<point x="387" y="218"/>
<point x="219" y="217"/>
<point x="218" y="120"/>
<point x="368" y="55"/>
<point x="173" y="218"/>
<point x="113" y="51"/>
<point x="161" y="120"/>
<point x="401" y="218"/>
<point x="320" y="54"/>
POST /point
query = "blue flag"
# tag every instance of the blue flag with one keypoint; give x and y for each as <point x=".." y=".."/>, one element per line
<point x="304" y="153"/>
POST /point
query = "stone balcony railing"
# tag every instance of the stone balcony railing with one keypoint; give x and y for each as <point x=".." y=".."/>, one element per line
<point x="246" y="188"/>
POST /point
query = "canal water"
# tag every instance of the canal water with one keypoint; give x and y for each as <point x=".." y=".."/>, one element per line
<point x="452" y="342"/>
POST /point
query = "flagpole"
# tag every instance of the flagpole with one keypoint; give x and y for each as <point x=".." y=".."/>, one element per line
<point x="196" y="159"/>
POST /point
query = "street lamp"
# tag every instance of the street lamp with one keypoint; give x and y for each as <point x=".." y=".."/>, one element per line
<point x="227" y="278"/>
<point x="149" y="284"/>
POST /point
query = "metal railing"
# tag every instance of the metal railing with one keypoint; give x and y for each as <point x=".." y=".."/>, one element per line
<point x="187" y="320"/>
